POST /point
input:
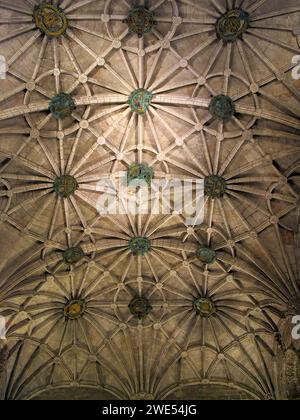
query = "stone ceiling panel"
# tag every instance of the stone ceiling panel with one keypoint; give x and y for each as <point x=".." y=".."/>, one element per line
<point x="171" y="89"/>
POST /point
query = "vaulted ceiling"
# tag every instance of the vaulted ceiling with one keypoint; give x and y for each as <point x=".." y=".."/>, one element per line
<point x="213" y="325"/>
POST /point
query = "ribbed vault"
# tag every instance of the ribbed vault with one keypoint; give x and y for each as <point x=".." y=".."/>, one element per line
<point x="198" y="311"/>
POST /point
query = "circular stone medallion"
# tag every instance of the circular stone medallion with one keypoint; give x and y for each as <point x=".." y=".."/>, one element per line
<point x="214" y="186"/>
<point x="73" y="255"/>
<point x="140" y="21"/>
<point x="206" y="255"/>
<point x="140" y="307"/>
<point x="140" y="171"/>
<point x="65" y="186"/>
<point x="50" y="19"/>
<point x="232" y="25"/>
<point x="62" y="105"/>
<point x="140" y="246"/>
<point x="74" y="309"/>
<point x="222" y="108"/>
<point x="140" y="100"/>
<point x="204" y="307"/>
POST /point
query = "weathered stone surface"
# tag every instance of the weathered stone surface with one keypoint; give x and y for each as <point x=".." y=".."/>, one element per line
<point x="4" y="352"/>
